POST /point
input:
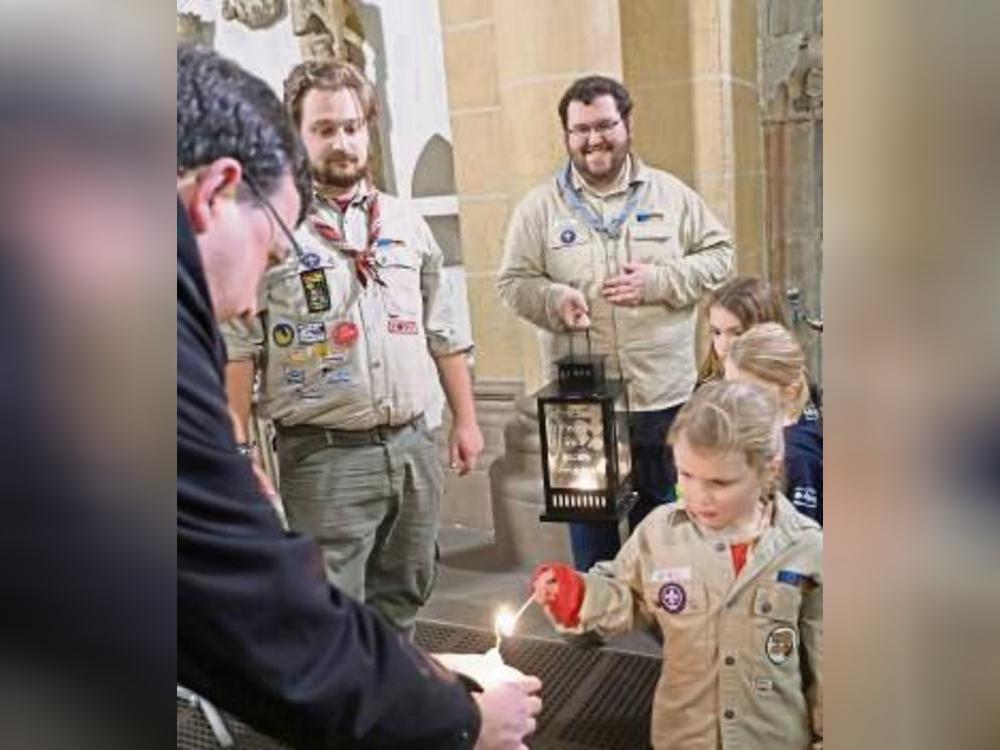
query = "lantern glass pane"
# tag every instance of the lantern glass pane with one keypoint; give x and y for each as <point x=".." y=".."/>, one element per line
<point x="624" y="445"/>
<point x="575" y="442"/>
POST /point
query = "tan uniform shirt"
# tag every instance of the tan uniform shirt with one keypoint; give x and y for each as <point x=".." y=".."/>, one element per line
<point x="549" y="247"/>
<point x="742" y="655"/>
<point x="364" y="362"/>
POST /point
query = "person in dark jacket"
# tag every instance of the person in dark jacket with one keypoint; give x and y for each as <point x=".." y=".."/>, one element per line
<point x="260" y="632"/>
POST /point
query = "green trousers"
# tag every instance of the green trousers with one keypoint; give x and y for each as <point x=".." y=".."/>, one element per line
<point x="371" y="500"/>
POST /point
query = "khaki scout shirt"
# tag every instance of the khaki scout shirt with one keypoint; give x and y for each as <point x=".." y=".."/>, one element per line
<point x="549" y="247"/>
<point x="742" y="655"/>
<point x="364" y="363"/>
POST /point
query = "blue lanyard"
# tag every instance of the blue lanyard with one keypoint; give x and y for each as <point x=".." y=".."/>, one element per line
<point x="612" y="229"/>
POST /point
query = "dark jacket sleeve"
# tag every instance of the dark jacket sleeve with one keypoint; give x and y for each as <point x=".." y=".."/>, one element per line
<point x="259" y="631"/>
<point x="804" y="467"/>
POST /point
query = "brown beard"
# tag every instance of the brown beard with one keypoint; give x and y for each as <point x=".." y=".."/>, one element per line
<point x="618" y="158"/>
<point x="324" y="174"/>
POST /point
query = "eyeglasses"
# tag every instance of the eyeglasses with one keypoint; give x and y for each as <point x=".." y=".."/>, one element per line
<point x="601" y="128"/>
<point x="289" y="235"/>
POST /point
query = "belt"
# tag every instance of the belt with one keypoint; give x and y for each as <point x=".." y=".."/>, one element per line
<point x="374" y="436"/>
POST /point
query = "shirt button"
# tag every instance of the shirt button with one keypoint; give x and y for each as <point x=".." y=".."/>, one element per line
<point x="720" y="546"/>
<point x="376" y="364"/>
<point x="729" y="713"/>
<point x="730" y="661"/>
<point x="765" y="607"/>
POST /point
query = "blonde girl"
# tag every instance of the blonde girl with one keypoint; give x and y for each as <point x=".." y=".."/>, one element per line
<point x="733" y="578"/>
<point x="770" y="355"/>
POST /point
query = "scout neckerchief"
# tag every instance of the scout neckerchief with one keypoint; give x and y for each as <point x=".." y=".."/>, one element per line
<point x="365" y="266"/>
<point x="611" y="229"/>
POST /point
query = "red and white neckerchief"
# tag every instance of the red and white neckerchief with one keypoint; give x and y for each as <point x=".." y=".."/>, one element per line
<point x="365" y="267"/>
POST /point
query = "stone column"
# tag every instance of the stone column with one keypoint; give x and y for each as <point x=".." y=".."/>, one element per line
<point x="691" y="66"/>
<point x="508" y="62"/>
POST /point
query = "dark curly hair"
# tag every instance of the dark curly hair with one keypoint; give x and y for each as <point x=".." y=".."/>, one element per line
<point x="222" y="110"/>
<point x="588" y="88"/>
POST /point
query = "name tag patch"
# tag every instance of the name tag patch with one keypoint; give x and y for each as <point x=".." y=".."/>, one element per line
<point x="402" y="326"/>
<point x="681" y="574"/>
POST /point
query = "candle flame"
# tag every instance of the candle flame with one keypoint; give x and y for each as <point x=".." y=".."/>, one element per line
<point x="505" y="621"/>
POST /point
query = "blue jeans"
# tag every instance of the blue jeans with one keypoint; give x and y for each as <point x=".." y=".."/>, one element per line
<point x="653" y="477"/>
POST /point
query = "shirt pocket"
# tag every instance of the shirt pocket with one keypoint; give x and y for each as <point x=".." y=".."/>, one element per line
<point x="653" y="240"/>
<point x="400" y="270"/>
<point x="568" y="252"/>
<point x="681" y="609"/>
<point x="775" y="632"/>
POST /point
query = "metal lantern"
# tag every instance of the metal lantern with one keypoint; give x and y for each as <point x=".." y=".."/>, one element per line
<point x="586" y="459"/>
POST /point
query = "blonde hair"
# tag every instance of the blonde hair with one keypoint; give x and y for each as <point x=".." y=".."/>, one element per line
<point x="750" y="300"/>
<point x="726" y="416"/>
<point x="771" y="352"/>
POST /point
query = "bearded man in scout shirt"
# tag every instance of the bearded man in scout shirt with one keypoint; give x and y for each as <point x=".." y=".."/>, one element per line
<point x="343" y="343"/>
<point x="612" y="245"/>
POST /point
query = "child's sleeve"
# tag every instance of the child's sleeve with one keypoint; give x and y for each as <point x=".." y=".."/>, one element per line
<point x="811" y="631"/>
<point x="613" y="598"/>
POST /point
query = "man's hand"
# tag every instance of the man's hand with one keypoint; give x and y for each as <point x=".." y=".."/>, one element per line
<point x="508" y="714"/>
<point x="574" y="312"/>
<point x="465" y="443"/>
<point x="628" y="288"/>
<point x="264" y="483"/>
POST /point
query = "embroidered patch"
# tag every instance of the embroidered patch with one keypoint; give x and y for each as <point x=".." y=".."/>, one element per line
<point x="336" y="358"/>
<point x="312" y="333"/>
<point x="282" y="334"/>
<point x="295" y="376"/>
<point x="310" y="260"/>
<point x="793" y="578"/>
<point x="320" y="350"/>
<point x="567" y="236"/>
<point x="315" y="288"/>
<point x="805" y="497"/>
<point x="403" y="327"/>
<point x="672" y="597"/>
<point x="780" y="644"/>
<point x="682" y="574"/>
<point x="344" y="333"/>
<point x="297" y="356"/>
<point x="762" y="684"/>
<point x="338" y="377"/>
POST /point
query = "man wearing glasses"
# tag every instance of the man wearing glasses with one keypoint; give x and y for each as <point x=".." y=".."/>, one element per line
<point x="351" y="323"/>
<point x="260" y="632"/>
<point x="612" y="245"/>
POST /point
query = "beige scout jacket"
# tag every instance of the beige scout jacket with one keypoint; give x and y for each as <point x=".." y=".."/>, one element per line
<point x="742" y="656"/>
<point x="548" y="247"/>
<point x="363" y="363"/>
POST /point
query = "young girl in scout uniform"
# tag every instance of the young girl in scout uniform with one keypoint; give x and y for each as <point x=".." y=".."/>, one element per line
<point x="732" y="309"/>
<point x="733" y="577"/>
<point x="770" y="355"/>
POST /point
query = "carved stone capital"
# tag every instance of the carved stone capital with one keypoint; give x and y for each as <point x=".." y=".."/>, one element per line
<point x="254" y="14"/>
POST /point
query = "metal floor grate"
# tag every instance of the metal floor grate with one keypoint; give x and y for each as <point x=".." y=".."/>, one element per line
<point x="594" y="699"/>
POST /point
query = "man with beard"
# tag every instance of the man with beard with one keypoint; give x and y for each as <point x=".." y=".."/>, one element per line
<point x="612" y="245"/>
<point x="348" y="323"/>
<point x="259" y="631"/>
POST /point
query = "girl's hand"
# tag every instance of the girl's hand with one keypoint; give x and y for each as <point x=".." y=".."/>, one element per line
<point x="545" y="585"/>
<point x="559" y="589"/>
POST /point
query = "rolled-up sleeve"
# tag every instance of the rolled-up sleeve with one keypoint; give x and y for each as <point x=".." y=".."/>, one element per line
<point x="442" y="326"/>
